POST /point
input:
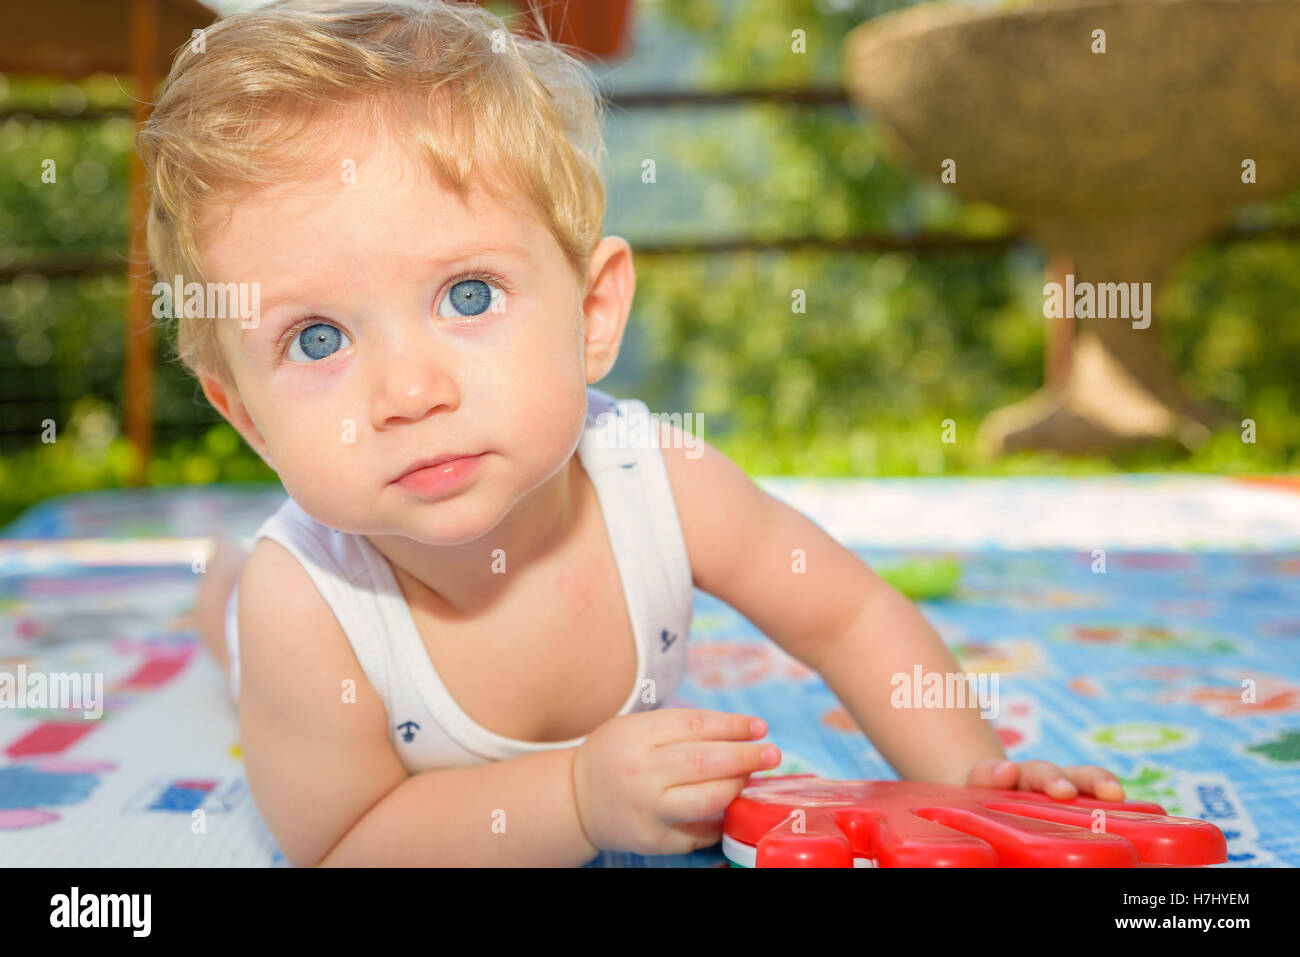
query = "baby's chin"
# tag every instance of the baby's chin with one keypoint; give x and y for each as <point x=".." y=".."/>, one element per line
<point x="455" y="520"/>
<point x="443" y="525"/>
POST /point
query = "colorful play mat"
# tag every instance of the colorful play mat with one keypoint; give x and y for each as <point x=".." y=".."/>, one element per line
<point x="1148" y="624"/>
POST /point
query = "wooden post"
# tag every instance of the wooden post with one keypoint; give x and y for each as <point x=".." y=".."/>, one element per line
<point x="1058" y="351"/>
<point x="599" y="29"/>
<point x="138" y="386"/>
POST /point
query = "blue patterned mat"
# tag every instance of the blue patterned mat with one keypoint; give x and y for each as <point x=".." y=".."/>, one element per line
<point x="1140" y="668"/>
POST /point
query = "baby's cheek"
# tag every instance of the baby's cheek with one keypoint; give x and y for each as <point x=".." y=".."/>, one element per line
<point x="551" y="423"/>
<point x="316" y="439"/>
<point x="323" y="460"/>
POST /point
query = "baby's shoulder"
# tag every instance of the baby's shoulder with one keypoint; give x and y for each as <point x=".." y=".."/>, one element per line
<point x="301" y="749"/>
<point x="279" y="600"/>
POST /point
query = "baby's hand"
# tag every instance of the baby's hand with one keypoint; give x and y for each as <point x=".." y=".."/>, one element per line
<point x="1046" y="777"/>
<point x="659" y="782"/>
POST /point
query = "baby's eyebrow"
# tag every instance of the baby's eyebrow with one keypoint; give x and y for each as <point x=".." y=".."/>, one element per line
<point x="497" y="246"/>
<point x="288" y="295"/>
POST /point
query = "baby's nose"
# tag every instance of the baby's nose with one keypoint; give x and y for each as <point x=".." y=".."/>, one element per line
<point x="410" y="383"/>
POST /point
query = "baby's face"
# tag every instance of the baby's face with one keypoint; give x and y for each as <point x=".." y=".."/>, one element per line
<point x="397" y="324"/>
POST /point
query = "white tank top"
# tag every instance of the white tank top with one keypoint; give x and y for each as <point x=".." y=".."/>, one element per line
<point x="426" y="727"/>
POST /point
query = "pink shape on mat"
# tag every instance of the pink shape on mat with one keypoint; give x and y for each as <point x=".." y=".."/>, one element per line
<point x="156" y="671"/>
<point x="26" y="817"/>
<point x="65" y="766"/>
<point x="49" y="737"/>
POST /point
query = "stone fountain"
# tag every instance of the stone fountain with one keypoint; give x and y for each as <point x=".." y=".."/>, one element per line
<point x="1120" y="134"/>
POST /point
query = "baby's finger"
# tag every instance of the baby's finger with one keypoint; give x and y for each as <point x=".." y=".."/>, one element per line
<point x="693" y="803"/>
<point x="689" y="762"/>
<point x="1099" y="782"/>
<point x="695" y="724"/>
<point x="993" y="773"/>
<point x="1046" y="777"/>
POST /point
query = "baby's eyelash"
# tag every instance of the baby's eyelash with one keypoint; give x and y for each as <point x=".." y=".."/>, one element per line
<point x="308" y="320"/>
<point x="291" y="332"/>
<point x="479" y="272"/>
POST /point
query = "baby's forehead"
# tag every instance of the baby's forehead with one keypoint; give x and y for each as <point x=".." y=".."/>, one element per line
<point x="385" y="196"/>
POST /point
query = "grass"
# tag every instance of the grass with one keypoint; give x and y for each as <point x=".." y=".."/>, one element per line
<point x="892" y="448"/>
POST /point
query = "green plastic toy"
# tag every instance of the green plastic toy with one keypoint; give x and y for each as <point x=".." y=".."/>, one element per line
<point x="923" y="579"/>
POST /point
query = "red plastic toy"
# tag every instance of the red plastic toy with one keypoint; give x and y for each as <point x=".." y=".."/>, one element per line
<point x="801" y="820"/>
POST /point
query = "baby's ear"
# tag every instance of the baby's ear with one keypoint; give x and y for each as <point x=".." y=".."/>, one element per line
<point x="611" y="285"/>
<point x="225" y="399"/>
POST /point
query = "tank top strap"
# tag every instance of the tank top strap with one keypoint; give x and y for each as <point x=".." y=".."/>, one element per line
<point x="621" y="452"/>
<point x="354" y="580"/>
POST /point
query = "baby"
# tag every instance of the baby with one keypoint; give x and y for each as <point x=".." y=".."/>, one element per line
<point x="452" y="642"/>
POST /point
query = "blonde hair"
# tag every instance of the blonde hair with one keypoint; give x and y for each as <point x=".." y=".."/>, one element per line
<point x="256" y="108"/>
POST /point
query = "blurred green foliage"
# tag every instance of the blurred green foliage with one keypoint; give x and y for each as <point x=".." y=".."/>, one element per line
<point x="889" y="347"/>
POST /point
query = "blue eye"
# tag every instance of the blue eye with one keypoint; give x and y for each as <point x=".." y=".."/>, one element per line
<point x="318" y="341"/>
<point x="470" y="297"/>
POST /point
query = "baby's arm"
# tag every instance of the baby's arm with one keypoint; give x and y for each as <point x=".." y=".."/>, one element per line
<point x="325" y="776"/>
<point x="825" y="607"/>
<point x="225" y="562"/>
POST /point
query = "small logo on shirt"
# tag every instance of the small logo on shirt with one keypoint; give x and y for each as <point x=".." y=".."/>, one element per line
<point x="408" y="729"/>
<point x="667" y="638"/>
